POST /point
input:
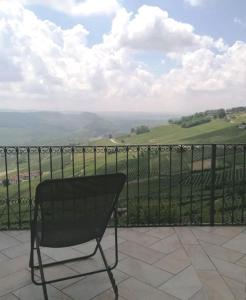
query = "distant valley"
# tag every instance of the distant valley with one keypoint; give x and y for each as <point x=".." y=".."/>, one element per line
<point x="37" y="128"/>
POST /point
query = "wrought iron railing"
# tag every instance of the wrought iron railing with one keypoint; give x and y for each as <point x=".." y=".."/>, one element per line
<point x="201" y="184"/>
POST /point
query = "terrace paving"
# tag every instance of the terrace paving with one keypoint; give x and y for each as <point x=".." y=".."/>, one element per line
<point x="178" y="263"/>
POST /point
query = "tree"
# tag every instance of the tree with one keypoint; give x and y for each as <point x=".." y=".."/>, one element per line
<point x="142" y="129"/>
<point x="221" y="113"/>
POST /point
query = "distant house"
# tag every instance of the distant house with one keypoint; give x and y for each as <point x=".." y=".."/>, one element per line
<point x="242" y="126"/>
<point x="23" y="177"/>
<point x="13" y="180"/>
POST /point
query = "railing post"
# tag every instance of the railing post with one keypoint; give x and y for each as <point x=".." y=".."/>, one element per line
<point x="213" y="178"/>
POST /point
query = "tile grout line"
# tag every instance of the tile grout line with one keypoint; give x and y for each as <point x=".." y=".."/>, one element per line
<point x="15" y="290"/>
<point x="236" y="261"/>
<point x="12" y="294"/>
<point x="159" y="240"/>
<point x="11" y="236"/>
<point x="8" y="258"/>
<point x="192" y="264"/>
<point x="220" y="235"/>
<point x="230" y="239"/>
<point x="155" y="287"/>
<point x="109" y="289"/>
<point x="140" y="244"/>
<point x="162" y="238"/>
<point x="221" y="276"/>
<point x="144" y="248"/>
<point x="61" y="291"/>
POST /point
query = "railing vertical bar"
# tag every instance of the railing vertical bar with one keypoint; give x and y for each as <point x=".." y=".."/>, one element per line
<point x="73" y="169"/>
<point x="7" y="184"/>
<point x="39" y="163"/>
<point x="18" y="186"/>
<point x="62" y="176"/>
<point x="51" y="163"/>
<point x="29" y="183"/>
<point x="202" y="180"/>
<point x="105" y="160"/>
<point x="95" y="160"/>
<point x="223" y="188"/>
<point x="170" y="185"/>
<point x="138" y="186"/>
<point x="83" y="151"/>
<point x="116" y="170"/>
<point x="180" y="184"/>
<point x="159" y="185"/>
<point x="233" y="183"/>
<point x="116" y="159"/>
<point x="244" y="183"/>
<point x="127" y="186"/>
<point x="62" y="162"/>
<point x="213" y="177"/>
<point x="191" y="184"/>
<point x="148" y="188"/>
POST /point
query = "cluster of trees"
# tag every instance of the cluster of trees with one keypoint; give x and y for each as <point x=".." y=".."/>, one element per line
<point x="236" y="109"/>
<point x="199" y="118"/>
<point x="216" y="113"/>
<point x="140" y="129"/>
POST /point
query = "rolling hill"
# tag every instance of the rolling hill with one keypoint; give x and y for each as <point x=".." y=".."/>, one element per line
<point x="216" y="131"/>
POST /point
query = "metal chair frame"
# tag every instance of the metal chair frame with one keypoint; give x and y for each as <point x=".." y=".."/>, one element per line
<point x="108" y="268"/>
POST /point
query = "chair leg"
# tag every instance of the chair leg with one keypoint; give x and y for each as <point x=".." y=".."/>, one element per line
<point x="31" y="259"/>
<point x="42" y="273"/>
<point x="110" y="274"/>
<point x="32" y="247"/>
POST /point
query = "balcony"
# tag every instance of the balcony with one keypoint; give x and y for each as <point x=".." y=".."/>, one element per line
<point x="170" y="243"/>
<point x="155" y="263"/>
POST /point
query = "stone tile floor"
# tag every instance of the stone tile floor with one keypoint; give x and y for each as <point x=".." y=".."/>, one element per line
<point x="195" y="263"/>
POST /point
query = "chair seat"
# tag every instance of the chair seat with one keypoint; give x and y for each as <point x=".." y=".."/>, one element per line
<point x="66" y="235"/>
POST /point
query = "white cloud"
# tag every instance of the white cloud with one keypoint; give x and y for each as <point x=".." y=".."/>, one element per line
<point x="79" y="7"/>
<point x="152" y="29"/>
<point x="238" y="21"/>
<point x="195" y="2"/>
<point x="206" y="79"/>
<point x="43" y="66"/>
<point x="57" y="69"/>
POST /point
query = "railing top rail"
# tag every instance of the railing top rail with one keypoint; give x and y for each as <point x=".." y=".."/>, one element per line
<point x="125" y="145"/>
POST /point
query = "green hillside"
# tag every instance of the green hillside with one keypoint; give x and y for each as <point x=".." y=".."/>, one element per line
<point x="216" y="131"/>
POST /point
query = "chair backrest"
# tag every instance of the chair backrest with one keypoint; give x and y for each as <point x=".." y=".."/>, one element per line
<point x="75" y="210"/>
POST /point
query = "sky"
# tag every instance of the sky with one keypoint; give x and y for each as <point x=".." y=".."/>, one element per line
<point x="169" y="56"/>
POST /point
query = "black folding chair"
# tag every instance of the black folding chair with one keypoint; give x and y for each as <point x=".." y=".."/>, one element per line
<point x="73" y="211"/>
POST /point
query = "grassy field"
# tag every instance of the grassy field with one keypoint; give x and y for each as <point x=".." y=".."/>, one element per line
<point x="217" y="131"/>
